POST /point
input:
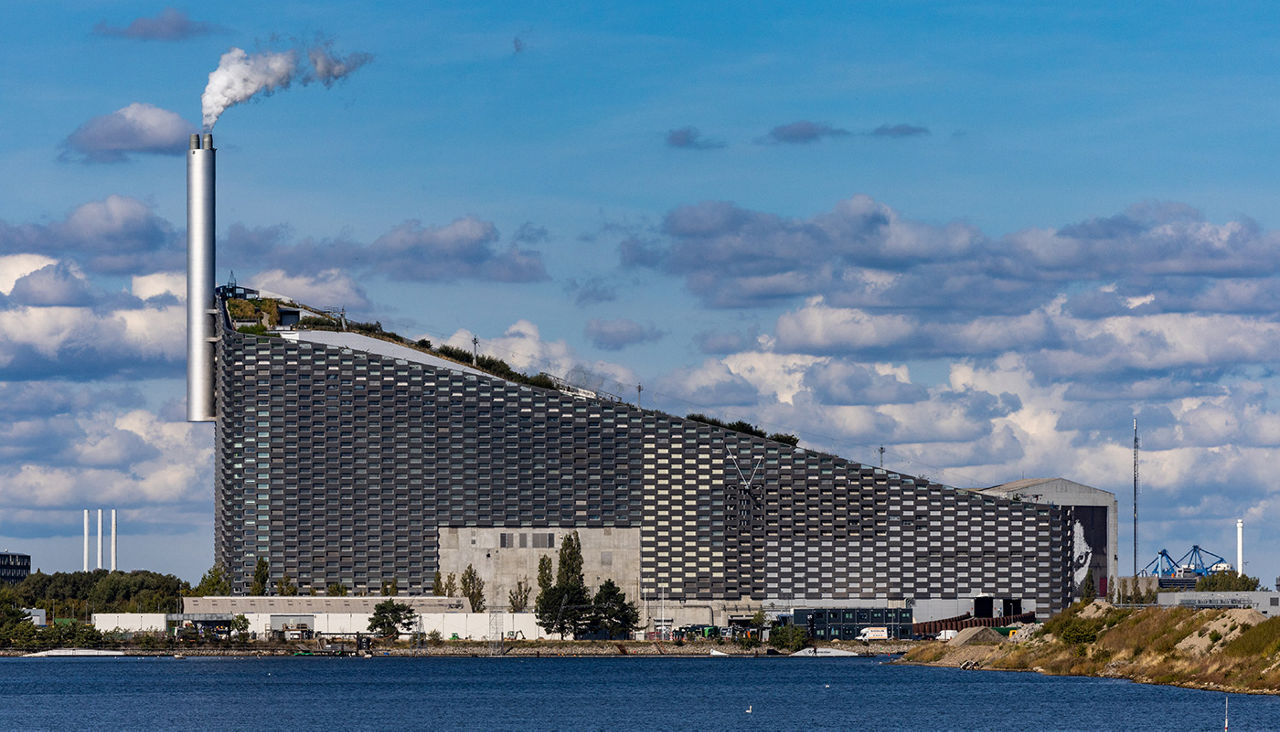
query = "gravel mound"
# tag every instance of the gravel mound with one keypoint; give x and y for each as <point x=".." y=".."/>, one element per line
<point x="976" y="637"/>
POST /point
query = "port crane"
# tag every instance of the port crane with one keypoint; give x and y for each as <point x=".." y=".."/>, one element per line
<point x="1195" y="563"/>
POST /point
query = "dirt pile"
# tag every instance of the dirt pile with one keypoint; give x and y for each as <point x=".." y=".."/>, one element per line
<point x="976" y="637"/>
<point x="1219" y="630"/>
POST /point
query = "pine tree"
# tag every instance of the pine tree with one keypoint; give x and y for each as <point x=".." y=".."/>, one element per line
<point x="611" y="613"/>
<point x="437" y="585"/>
<point x="451" y="585"/>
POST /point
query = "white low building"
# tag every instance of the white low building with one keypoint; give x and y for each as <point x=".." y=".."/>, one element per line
<point x="463" y="626"/>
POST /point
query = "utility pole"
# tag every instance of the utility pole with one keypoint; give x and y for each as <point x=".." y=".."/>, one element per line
<point x="882" y="456"/>
<point x="639" y="389"/>
<point x="475" y="351"/>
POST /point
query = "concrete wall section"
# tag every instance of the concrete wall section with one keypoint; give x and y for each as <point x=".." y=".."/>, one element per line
<point x="308" y="604"/>
<point x="129" y="622"/>
<point x="467" y="626"/>
<point x="506" y="555"/>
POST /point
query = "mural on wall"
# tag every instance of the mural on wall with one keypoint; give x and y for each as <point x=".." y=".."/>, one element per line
<point x="1089" y="533"/>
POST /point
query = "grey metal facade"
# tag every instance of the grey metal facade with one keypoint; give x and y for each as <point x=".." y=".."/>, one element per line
<point x="339" y="465"/>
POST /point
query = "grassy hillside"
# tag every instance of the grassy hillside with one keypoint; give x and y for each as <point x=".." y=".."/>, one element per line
<point x="1219" y="649"/>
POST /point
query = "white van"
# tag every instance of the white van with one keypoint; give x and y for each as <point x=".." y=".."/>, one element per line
<point x="878" y="632"/>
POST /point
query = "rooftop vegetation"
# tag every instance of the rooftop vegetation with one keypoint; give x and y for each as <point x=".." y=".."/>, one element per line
<point x="255" y="309"/>
<point x="745" y="427"/>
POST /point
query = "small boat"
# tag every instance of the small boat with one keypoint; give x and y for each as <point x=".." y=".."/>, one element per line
<point x="822" y="653"/>
<point x="714" y="652"/>
<point x="72" y="652"/>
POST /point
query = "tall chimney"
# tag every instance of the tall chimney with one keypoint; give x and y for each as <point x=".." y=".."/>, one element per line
<point x="99" y="538"/>
<point x="1239" y="546"/>
<point x="200" y="265"/>
<point x="86" y="540"/>
<point x="113" y="540"/>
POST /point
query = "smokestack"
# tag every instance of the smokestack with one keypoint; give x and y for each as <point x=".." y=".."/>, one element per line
<point x="1240" y="546"/>
<point x="86" y="540"/>
<point x="200" y="262"/>
<point x="113" y="540"/>
<point x="99" y="538"/>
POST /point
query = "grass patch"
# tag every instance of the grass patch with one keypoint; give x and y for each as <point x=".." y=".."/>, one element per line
<point x="1262" y="639"/>
<point x="926" y="654"/>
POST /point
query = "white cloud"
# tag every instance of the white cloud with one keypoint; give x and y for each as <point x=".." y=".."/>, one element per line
<point x="146" y="287"/>
<point x="16" y="266"/>
<point x="137" y="128"/>
<point x="330" y="288"/>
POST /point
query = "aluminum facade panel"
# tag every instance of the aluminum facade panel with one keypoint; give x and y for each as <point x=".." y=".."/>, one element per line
<point x="339" y="465"/>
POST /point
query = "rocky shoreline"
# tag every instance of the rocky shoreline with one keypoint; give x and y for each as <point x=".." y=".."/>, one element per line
<point x="1220" y="650"/>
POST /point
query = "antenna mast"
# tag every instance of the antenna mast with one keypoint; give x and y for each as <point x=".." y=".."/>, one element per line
<point x="1135" y="497"/>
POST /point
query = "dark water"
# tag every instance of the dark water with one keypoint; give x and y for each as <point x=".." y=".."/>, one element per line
<point x="586" y="693"/>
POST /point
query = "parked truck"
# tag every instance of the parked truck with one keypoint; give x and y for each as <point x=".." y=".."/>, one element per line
<point x="875" y="632"/>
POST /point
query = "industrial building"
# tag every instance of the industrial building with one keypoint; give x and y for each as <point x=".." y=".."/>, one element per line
<point x="1095" y="537"/>
<point x="14" y="567"/>
<point x="347" y="458"/>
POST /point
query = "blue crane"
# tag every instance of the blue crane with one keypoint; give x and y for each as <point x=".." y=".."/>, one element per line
<point x="1195" y="562"/>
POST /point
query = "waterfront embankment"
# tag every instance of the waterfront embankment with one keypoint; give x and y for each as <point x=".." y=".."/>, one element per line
<point x="1228" y="650"/>
<point x="523" y="649"/>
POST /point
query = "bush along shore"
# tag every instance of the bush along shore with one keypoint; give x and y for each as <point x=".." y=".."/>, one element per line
<point x="1234" y="650"/>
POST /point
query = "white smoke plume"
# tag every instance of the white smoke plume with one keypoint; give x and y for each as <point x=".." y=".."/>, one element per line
<point x="241" y="76"/>
<point x="329" y="66"/>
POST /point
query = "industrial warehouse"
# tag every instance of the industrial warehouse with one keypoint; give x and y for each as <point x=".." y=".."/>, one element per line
<point x="362" y="459"/>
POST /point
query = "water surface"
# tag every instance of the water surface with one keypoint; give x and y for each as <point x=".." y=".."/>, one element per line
<point x="587" y="693"/>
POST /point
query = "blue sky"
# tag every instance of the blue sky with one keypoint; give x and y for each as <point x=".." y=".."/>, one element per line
<point x="984" y="236"/>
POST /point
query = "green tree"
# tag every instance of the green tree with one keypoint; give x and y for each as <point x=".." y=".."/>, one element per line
<point x="789" y="638"/>
<point x="391" y="588"/>
<point x="336" y="589"/>
<point x="546" y="574"/>
<point x="240" y="625"/>
<point x="473" y="588"/>
<point x="261" y="575"/>
<point x="285" y="586"/>
<point x="1229" y="581"/>
<point x="1088" y="591"/>
<point x="759" y="620"/>
<point x="451" y="585"/>
<point x="566" y="606"/>
<point x="390" y="618"/>
<point x="437" y="585"/>
<point x="611" y="613"/>
<point x="569" y="610"/>
<point x="569" y="568"/>
<point x="518" y="597"/>
<point x="546" y="605"/>
<point x="213" y="583"/>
